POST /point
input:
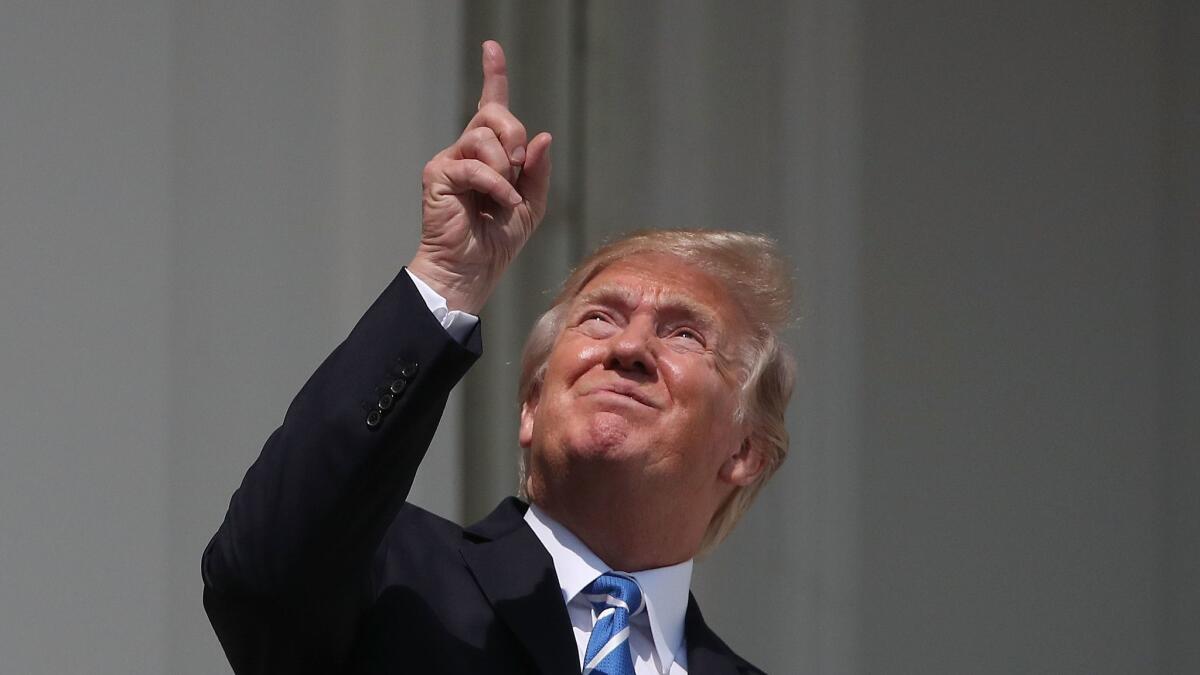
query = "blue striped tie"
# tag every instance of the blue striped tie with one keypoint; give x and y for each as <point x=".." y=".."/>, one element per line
<point x="615" y="597"/>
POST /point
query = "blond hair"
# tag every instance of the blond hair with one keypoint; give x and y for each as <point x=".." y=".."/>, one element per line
<point x="751" y="270"/>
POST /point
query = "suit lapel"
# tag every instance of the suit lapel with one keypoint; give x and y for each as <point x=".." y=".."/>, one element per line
<point x="706" y="653"/>
<point x="517" y="575"/>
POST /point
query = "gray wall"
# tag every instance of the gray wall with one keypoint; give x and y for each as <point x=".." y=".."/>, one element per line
<point x="991" y="206"/>
<point x="85" y="257"/>
<point x="197" y="200"/>
<point x="1180" y="362"/>
<point x="1013" y="338"/>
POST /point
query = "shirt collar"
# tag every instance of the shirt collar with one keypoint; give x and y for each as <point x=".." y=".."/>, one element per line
<point x="664" y="588"/>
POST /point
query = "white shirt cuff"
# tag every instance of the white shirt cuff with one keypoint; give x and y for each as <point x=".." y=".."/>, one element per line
<point x="456" y="322"/>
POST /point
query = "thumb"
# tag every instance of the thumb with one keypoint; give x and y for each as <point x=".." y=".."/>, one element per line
<point x="534" y="183"/>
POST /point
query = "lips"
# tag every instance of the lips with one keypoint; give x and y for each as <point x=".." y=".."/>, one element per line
<point x="628" y="390"/>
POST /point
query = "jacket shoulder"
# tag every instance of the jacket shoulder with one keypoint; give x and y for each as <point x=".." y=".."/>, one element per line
<point x="419" y="536"/>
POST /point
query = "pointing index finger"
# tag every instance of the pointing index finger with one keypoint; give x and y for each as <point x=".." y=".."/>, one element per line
<point x="495" y="75"/>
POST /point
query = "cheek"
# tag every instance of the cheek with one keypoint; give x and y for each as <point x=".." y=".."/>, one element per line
<point x="588" y="354"/>
<point x="572" y="356"/>
<point x="707" y="403"/>
<point x="695" y="383"/>
<point x="682" y="379"/>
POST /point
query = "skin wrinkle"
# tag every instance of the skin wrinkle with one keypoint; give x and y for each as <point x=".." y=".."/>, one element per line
<point x="748" y="268"/>
<point x="729" y="366"/>
<point x="677" y="461"/>
<point x="663" y="303"/>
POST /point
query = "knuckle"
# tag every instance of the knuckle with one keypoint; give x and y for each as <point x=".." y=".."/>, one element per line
<point x="480" y="135"/>
<point x="477" y="140"/>
<point x="432" y="168"/>
<point x="500" y="119"/>
<point x="504" y="122"/>
<point x="515" y="131"/>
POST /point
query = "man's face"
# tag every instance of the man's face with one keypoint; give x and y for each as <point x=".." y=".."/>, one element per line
<point x="639" y="383"/>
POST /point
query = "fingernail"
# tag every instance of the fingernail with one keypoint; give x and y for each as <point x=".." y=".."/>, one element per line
<point x="518" y="155"/>
<point x="516" y="198"/>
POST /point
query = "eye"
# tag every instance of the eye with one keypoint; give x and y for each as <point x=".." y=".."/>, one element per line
<point x="595" y="323"/>
<point x="595" y="317"/>
<point x="685" y="333"/>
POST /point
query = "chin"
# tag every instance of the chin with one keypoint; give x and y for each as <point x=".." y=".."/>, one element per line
<point x="605" y="435"/>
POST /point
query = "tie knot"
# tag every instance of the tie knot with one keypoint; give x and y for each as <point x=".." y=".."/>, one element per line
<point x="615" y="590"/>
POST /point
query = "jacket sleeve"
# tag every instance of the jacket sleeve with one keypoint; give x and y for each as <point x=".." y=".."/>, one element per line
<point x="286" y="575"/>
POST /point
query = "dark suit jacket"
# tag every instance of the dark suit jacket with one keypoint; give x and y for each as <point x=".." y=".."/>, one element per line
<point x="322" y="567"/>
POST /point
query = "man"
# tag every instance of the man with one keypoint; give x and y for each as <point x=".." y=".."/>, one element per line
<point x="652" y="411"/>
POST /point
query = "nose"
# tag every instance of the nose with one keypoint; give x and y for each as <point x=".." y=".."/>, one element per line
<point x="632" y="348"/>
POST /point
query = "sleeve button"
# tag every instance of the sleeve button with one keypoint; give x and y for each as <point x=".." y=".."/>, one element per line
<point x="397" y="386"/>
<point x="408" y="370"/>
<point x="374" y="418"/>
<point x="385" y="402"/>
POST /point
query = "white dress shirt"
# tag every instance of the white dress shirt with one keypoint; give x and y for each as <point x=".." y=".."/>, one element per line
<point x="456" y="322"/>
<point x="656" y="637"/>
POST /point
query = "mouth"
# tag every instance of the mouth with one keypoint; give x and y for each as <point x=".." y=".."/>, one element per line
<point x="629" y="393"/>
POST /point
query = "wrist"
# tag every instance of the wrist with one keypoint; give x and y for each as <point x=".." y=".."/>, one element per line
<point x="463" y="291"/>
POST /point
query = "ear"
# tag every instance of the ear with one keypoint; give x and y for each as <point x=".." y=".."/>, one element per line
<point x="528" y="411"/>
<point x="744" y="466"/>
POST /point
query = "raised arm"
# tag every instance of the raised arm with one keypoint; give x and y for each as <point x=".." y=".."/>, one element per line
<point x="288" y="572"/>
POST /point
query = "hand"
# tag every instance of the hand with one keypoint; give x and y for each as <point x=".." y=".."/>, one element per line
<point x="483" y="197"/>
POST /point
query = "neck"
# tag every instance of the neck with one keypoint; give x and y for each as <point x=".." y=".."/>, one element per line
<point x="628" y="530"/>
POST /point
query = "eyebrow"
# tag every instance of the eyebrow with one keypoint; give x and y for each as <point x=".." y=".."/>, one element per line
<point x="671" y="303"/>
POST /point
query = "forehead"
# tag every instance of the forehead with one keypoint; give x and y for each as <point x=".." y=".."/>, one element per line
<point x="664" y="281"/>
